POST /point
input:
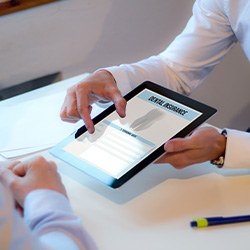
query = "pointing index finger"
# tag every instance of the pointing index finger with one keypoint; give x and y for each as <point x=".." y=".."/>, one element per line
<point x="84" y="108"/>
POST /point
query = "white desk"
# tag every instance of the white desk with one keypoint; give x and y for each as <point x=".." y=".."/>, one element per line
<point x="153" y="210"/>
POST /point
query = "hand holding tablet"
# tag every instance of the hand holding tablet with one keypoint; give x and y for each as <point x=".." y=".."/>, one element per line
<point x="121" y="147"/>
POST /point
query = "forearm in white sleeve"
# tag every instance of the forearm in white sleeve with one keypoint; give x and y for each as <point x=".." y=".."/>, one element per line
<point x="190" y="57"/>
<point x="154" y="69"/>
<point x="50" y="217"/>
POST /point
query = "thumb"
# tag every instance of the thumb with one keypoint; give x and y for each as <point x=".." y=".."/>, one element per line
<point x="177" y="145"/>
<point x="120" y="105"/>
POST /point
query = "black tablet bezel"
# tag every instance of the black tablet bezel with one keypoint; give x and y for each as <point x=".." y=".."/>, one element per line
<point x="206" y="112"/>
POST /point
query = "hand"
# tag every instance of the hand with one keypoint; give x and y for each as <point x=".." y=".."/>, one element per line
<point x="100" y="85"/>
<point x="24" y="177"/>
<point x="203" y="144"/>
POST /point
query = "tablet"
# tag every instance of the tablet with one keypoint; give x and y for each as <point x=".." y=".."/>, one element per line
<point x="122" y="147"/>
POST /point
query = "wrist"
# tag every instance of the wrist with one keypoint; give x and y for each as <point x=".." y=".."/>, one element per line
<point x="219" y="161"/>
<point x="107" y="73"/>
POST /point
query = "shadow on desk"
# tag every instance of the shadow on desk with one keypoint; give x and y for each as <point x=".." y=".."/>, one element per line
<point x="150" y="177"/>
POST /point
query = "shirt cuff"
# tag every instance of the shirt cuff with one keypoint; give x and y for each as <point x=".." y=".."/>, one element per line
<point x="42" y="201"/>
<point x="121" y="79"/>
<point x="237" y="149"/>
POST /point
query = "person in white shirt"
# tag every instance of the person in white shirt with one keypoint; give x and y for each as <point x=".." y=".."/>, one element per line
<point x="45" y="220"/>
<point x="214" y="28"/>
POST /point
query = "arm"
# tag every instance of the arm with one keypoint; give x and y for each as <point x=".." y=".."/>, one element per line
<point x="206" y="144"/>
<point x="51" y="219"/>
<point x="98" y="86"/>
<point x="181" y="67"/>
<point x="192" y="55"/>
<point x="204" y="42"/>
<point x="50" y="222"/>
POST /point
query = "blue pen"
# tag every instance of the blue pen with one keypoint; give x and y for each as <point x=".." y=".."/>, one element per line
<point x="214" y="221"/>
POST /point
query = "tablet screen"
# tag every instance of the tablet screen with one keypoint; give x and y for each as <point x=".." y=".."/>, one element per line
<point x="120" y="144"/>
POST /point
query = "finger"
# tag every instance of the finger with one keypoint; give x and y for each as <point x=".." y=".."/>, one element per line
<point x="70" y="119"/>
<point x="90" y="108"/>
<point x="7" y="177"/>
<point x="52" y="165"/>
<point x="84" y="108"/>
<point x="179" y="145"/>
<point x="69" y="112"/>
<point x="178" y="161"/>
<point x="120" y="105"/>
<point x="13" y="164"/>
<point x="163" y="159"/>
<point x="20" y="169"/>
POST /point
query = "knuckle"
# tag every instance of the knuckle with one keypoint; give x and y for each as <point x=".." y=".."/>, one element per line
<point x="178" y="163"/>
<point x="80" y="87"/>
<point x="70" y="114"/>
<point x="123" y="102"/>
<point x="63" y="114"/>
<point x="71" y="90"/>
<point x="40" y="160"/>
<point x="53" y="166"/>
<point x="13" y="184"/>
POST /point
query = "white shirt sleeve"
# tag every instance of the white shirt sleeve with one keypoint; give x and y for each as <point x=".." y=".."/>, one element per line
<point x="237" y="149"/>
<point x="189" y="58"/>
<point x="48" y="223"/>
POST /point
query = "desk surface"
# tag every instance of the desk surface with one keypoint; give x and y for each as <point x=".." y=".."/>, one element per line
<point x="153" y="210"/>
